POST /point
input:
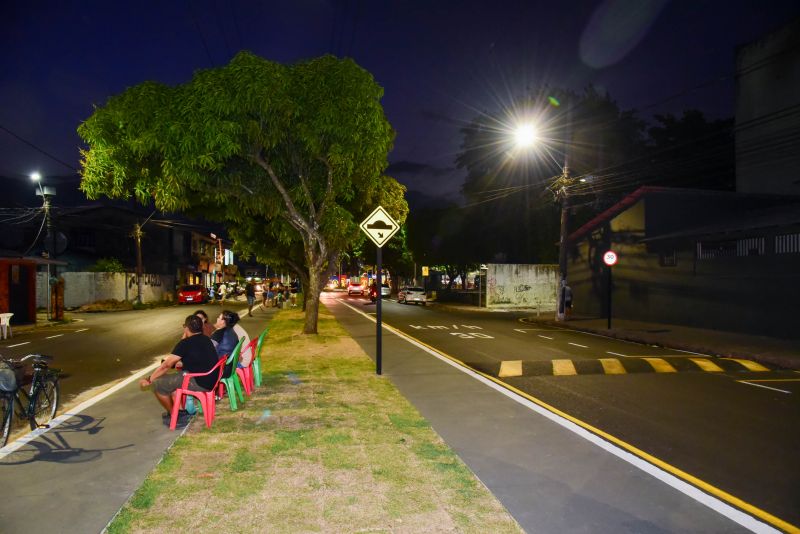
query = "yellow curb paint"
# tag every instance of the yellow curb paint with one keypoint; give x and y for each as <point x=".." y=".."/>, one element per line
<point x="748" y="364"/>
<point x="669" y="468"/>
<point x="612" y="366"/>
<point x="510" y="368"/>
<point x="564" y="367"/>
<point x="707" y="365"/>
<point x="660" y="365"/>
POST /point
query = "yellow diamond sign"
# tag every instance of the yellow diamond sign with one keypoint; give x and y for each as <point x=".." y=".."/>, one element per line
<point x="379" y="226"/>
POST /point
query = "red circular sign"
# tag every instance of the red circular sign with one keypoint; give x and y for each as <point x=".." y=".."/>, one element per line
<point x="610" y="258"/>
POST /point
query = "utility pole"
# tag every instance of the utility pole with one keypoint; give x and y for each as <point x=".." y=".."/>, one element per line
<point x="49" y="241"/>
<point x="563" y="195"/>
<point x="137" y="235"/>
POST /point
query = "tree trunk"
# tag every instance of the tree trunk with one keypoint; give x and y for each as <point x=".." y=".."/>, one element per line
<point x="312" y="301"/>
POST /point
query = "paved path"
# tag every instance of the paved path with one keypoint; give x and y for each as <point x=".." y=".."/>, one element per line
<point x="547" y="476"/>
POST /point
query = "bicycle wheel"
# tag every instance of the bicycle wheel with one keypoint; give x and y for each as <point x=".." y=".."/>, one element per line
<point x="6" y="412"/>
<point x="44" y="403"/>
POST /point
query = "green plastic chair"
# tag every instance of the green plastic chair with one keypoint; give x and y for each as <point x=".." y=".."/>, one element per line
<point x="231" y="383"/>
<point x="257" y="358"/>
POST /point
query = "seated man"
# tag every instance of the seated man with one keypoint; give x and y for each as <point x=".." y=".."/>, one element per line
<point x="197" y="354"/>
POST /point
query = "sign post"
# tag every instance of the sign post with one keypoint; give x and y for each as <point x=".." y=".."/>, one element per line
<point x="610" y="259"/>
<point x="379" y="227"/>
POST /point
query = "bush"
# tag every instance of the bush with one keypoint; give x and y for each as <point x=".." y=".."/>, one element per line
<point x="107" y="265"/>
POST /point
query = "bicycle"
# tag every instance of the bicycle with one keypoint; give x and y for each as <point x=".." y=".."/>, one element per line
<point x="42" y="396"/>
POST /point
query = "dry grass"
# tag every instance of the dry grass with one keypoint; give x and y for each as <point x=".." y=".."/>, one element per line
<point x="323" y="446"/>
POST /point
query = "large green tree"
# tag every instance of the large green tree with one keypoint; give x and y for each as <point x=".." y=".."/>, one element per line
<point x="298" y="149"/>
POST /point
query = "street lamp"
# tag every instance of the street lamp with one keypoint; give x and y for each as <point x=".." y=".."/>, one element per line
<point x="526" y="136"/>
<point x="46" y="193"/>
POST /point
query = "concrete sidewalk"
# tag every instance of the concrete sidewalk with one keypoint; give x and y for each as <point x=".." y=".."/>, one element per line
<point x="775" y="351"/>
<point x="550" y="476"/>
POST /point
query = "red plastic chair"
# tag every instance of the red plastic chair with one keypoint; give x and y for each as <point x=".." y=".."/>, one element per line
<point x="206" y="398"/>
<point x="246" y="374"/>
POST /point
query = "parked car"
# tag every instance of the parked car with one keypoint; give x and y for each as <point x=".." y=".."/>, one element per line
<point x="412" y="294"/>
<point x="373" y="292"/>
<point x="192" y="293"/>
<point x="354" y="288"/>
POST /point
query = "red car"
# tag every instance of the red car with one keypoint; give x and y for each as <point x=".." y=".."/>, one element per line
<point x="190" y="294"/>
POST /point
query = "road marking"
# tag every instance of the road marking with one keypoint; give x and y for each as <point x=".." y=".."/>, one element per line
<point x="690" y="352"/>
<point x="546" y="337"/>
<point x="749" y="364"/>
<point x="17" y="345"/>
<point x="510" y="368"/>
<point x="612" y="366"/>
<point x="719" y="500"/>
<point x="576" y="345"/>
<point x="51" y="337"/>
<point x="563" y="368"/>
<point x="616" y="354"/>
<point x="81" y="330"/>
<point x="707" y="365"/>
<point x="763" y="386"/>
<point x="660" y="365"/>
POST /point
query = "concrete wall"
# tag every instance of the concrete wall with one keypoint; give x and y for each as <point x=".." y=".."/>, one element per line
<point x="521" y="286"/>
<point x="84" y="288"/>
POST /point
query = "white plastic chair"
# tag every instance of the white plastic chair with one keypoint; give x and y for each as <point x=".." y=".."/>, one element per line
<point x="5" y="324"/>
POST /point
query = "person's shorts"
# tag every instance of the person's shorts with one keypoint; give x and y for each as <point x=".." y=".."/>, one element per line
<point x="166" y="384"/>
<point x="251" y="300"/>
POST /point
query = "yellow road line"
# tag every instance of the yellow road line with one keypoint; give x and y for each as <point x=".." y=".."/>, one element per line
<point x="612" y="366"/>
<point x="510" y="368"/>
<point x="660" y="365"/>
<point x="707" y="365"/>
<point x="750" y="365"/>
<point x="564" y="367"/>
<point x="669" y="468"/>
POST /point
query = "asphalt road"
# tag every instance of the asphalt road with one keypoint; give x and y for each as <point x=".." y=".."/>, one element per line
<point x="733" y="428"/>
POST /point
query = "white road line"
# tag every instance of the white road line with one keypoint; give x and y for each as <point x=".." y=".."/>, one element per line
<point x="546" y="337"/>
<point x="575" y="344"/>
<point x="81" y="330"/>
<point x="765" y="387"/>
<point x="690" y="352"/>
<point x="719" y="506"/>
<point x="51" y="337"/>
<point x="18" y="345"/>
<point x="30" y="436"/>
<point x="616" y="354"/>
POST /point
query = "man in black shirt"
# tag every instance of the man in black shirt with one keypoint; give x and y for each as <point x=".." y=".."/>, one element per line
<point x="196" y="353"/>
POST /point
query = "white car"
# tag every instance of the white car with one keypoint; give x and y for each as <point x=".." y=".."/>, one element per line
<point x="412" y="294"/>
<point x="354" y="288"/>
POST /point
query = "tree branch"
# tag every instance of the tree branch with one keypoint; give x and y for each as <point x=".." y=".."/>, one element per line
<point x="295" y="218"/>
<point x="328" y="188"/>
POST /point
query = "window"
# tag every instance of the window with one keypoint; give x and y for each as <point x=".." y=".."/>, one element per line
<point x="667" y="258"/>
<point x="749" y="246"/>
<point x="787" y="244"/>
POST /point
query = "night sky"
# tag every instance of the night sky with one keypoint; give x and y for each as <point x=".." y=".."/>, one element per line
<point x="440" y="62"/>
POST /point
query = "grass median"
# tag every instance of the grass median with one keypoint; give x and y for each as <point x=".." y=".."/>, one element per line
<point x="324" y="445"/>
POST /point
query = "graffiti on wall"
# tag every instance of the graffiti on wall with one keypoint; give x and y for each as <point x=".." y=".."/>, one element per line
<point x="147" y="280"/>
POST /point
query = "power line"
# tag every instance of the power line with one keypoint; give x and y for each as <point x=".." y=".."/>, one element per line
<point x="35" y="147"/>
<point x="200" y="32"/>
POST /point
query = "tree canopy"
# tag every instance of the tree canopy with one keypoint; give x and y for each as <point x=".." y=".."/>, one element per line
<point x="285" y="153"/>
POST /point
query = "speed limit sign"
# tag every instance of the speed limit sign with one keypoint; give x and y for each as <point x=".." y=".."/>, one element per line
<point x="610" y="258"/>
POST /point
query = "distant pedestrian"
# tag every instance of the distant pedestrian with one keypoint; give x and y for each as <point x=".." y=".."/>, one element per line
<point x="250" y="292"/>
<point x="223" y="292"/>
<point x="567" y="301"/>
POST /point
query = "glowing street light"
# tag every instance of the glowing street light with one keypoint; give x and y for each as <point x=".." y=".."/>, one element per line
<point x="526" y="135"/>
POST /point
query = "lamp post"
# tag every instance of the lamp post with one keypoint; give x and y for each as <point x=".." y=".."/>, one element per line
<point x="526" y="136"/>
<point x="49" y="246"/>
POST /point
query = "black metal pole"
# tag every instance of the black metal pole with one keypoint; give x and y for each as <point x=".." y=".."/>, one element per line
<point x="379" y="285"/>
<point x="608" y="303"/>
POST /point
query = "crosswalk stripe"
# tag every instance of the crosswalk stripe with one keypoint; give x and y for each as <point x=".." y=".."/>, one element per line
<point x="660" y="365"/>
<point x="707" y="365"/>
<point x="612" y="366"/>
<point x="564" y="367"/>
<point x="748" y="364"/>
<point x="510" y="368"/>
